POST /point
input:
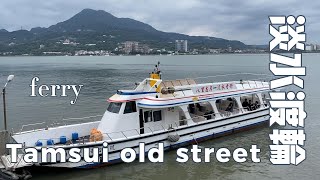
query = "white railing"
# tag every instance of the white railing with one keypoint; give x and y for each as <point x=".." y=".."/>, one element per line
<point x="44" y="125"/>
<point x="233" y="74"/>
<point x="32" y="125"/>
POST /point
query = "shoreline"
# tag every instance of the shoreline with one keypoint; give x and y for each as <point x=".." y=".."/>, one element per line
<point x="126" y="55"/>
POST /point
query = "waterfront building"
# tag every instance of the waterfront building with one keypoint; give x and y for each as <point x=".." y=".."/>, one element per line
<point x="130" y="46"/>
<point x="182" y="45"/>
<point x="309" y="47"/>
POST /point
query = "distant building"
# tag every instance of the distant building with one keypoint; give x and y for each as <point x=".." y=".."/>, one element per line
<point x="92" y="53"/>
<point x="310" y="47"/>
<point x="66" y="42"/>
<point x="52" y="53"/>
<point x="313" y="47"/>
<point x="130" y="46"/>
<point x="135" y="47"/>
<point x="41" y="46"/>
<point x="69" y="42"/>
<point x="317" y="47"/>
<point x="214" y="50"/>
<point x="144" y="49"/>
<point x="181" y="45"/>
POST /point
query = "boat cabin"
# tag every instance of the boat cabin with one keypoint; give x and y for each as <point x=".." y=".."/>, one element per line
<point x="157" y="105"/>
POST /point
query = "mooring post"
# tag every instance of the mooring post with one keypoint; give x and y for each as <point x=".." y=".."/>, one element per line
<point x="4" y="136"/>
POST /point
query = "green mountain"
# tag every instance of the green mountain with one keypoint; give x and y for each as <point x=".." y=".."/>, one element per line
<point x="99" y="21"/>
<point x="106" y="31"/>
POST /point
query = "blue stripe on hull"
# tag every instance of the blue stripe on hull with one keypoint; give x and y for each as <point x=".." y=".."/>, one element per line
<point x="135" y="93"/>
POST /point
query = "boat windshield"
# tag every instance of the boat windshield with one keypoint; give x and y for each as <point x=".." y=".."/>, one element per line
<point x="114" y="107"/>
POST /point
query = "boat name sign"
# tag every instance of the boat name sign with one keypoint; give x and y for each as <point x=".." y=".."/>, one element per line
<point x="213" y="88"/>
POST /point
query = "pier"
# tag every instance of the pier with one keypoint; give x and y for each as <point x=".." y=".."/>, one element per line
<point x="10" y="170"/>
<point x="4" y="136"/>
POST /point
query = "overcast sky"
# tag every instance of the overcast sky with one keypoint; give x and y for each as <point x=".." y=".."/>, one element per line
<point x="246" y="21"/>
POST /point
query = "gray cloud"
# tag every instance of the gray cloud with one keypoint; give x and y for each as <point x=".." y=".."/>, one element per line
<point x="246" y="21"/>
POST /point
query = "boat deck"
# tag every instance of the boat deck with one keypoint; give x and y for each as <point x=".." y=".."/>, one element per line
<point x="81" y="140"/>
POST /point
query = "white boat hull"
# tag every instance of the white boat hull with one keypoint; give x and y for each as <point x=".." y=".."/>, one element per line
<point x="188" y="135"/>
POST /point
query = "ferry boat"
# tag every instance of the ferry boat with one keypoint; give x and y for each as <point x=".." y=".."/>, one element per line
<point x="173" y="112"/>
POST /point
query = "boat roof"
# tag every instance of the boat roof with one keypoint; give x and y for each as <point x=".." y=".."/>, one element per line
<point x="187" y="91"/>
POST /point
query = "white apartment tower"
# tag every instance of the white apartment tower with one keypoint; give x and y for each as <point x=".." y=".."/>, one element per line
<point x="182" y="45"/>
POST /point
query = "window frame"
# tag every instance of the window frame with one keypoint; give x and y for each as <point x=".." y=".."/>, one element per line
<point x="160" y="115"/>
<point x="149" y="112"/>
<point x="113" y="107"/>
<point x="133" y="107"/>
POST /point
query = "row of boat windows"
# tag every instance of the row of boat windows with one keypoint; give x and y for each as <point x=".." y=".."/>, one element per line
<point x="250" y="102"/>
